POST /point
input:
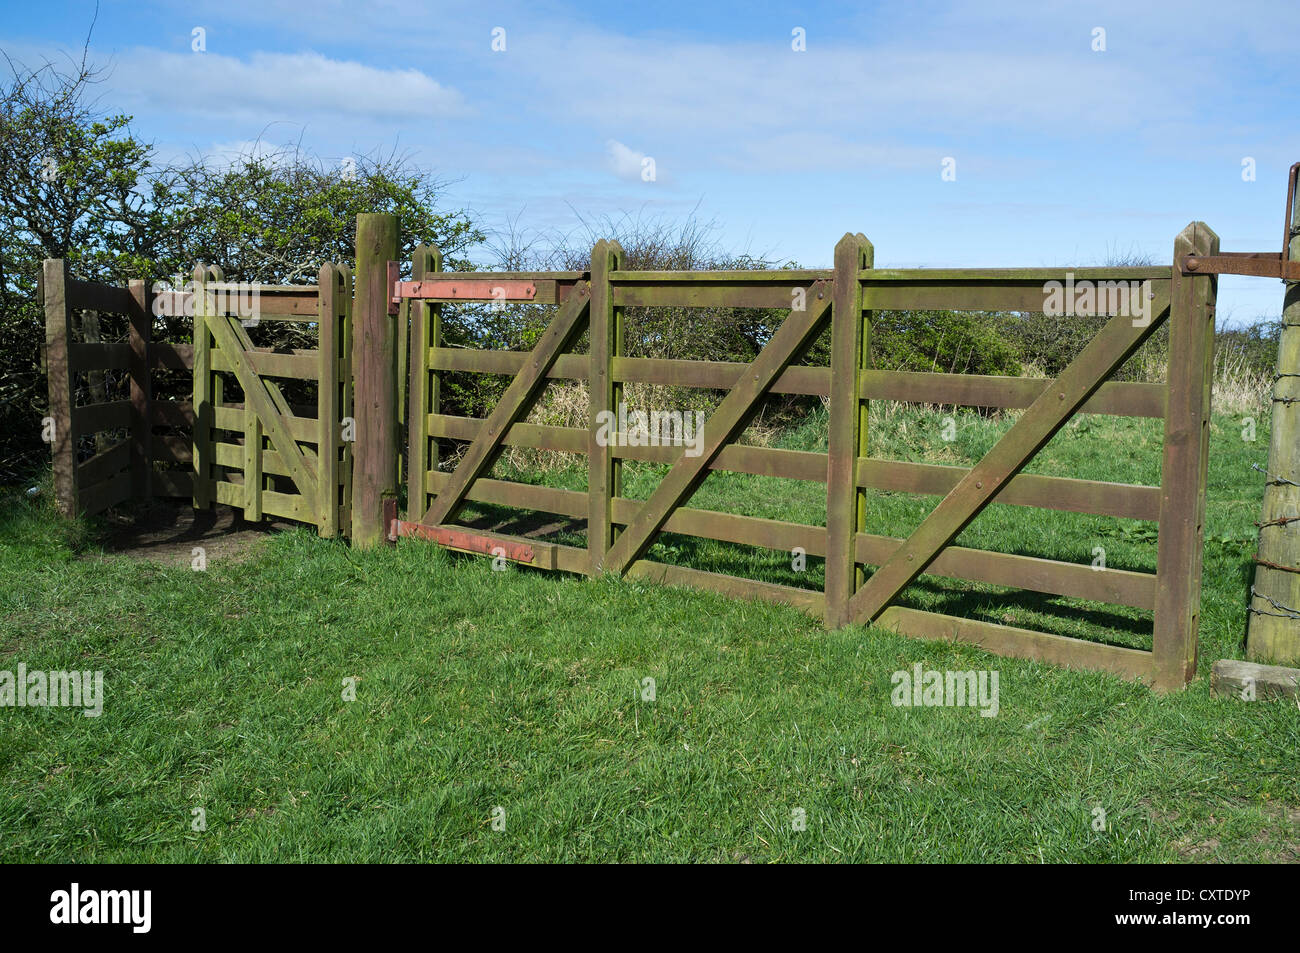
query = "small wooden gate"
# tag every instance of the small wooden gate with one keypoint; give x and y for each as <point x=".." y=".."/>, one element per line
<point x="264" y="454"/>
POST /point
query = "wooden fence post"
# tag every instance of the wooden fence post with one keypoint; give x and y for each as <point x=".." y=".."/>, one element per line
<point x="1185" y="463"/>
<point x="425" y="392"/>
<point x="850" y="352"/>
<point x="140" y="336"/>
<point x="1273" y="632"/>
<point x="604" y="394"/>
<point x="203" y="393"/>
<point x="328" y="290"/>
<point x="374" y="371"/>
<point x="58" y="334"/>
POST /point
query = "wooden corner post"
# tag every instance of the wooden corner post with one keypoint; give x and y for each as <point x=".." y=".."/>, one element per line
<point x="850" y="352"/>
<point x="140" y="336"/>
<point x="1185" y="463"/>
<point x="1273" y="633"/>
<point x="204" y="395"/>
<point x="374" y="372"/>
<point x="58" y="335"/>
<point x="425" y="396"/>
<point x="603" y="468"/>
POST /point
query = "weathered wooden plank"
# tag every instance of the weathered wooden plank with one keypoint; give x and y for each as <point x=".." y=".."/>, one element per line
<point x="525" y="496"/>
<point x="99" y="497"/>
<point x="303" y="366"/>
<point x="303" y="429"/>
<point x="566" y="366"/>
<point x="94" y="296"/>
<point x="93" y="418"/>
<point x="98" y="357"/>
<point x="606" y="257"/>
<point x="1119" y="398"/>
<point x="1184" y="468"/>
<point x="171" y="356"/>
<point x="717" y="375"/>
<point x="1119" y="587"/>
<point x="252" y="466"/>
<point x="292" y="506"/>
<point x="729" y="419"/>
<point x="1250" y="681"/>
<point x="173" y="483"/>
<point x="105" y="464"/>
<point x="1019" y="643"/>
<point x="171" y="413"/>
<point x="425" y="393"/>
<point x="331" y="286"/>
<point x="1102" y="357"/>
<point x="737" y="458"/>
<point x="808" y="600"/>
<point x="850" y="347"/>
<point x="169" y="448"/>
<point x="930" y="293"/>
<point x="1127" y="500"/>
<point x="559" y="334"/>
<point x="707" y="294"/>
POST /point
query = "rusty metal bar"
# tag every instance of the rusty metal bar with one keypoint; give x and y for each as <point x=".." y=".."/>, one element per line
<point x="1251" y="264"/>
<point x="460" y="289"/>
<point x="513" y="549"/>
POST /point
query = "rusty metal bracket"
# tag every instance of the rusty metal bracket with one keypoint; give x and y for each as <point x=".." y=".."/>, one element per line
<point x="515" y="550"/>
<point x="460" y="288"/>
<point x="1252" y="264"/>
<point x="1291" y="226"/>
<point x="1255" y="264"/>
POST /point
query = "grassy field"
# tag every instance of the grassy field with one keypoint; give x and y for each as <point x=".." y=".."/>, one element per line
<point x="518" y="695"/>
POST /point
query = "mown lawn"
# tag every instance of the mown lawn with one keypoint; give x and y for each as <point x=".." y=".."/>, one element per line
<point x="519" y="694"/>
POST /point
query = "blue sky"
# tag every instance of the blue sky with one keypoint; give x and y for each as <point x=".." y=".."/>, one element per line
<point x="1063" y="154"/>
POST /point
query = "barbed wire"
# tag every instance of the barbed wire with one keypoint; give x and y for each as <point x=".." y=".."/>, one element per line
<point x="1285" y="612"/>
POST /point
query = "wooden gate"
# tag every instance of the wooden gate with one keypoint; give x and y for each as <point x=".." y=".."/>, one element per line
<point x="265" y="454"/>
<point x="620" y="529"/>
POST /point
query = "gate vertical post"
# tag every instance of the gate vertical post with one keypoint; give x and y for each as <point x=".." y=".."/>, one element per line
<point x="425" y="392"/>
<point x="59" y="376"/>
<point x="850" y="351"/>
<point x="1185" y="463"/>
<point x="603" y="468"/>
<point x="374" y="371"/>
<point x="140" y="337"/>
<point x="328" y="290"/>
<point x="203" y="393"/>
<point x="1273" y="631"/>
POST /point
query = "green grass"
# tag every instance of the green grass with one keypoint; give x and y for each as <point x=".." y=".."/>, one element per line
<point x="521" y="690"/>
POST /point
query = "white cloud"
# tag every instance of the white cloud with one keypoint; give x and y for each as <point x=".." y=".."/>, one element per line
<point x="272" y="86"/>
<point x="626" y="162"/>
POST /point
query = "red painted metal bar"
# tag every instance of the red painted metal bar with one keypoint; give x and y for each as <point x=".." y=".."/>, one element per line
<point x="465" y="541"/>
<point x="463" y="289"/>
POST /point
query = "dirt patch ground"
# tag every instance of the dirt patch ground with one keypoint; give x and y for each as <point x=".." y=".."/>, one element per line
<point x="167" y="532"/>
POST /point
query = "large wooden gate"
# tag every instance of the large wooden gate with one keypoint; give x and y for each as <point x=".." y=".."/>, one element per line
<point x="620" y="529"/>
